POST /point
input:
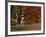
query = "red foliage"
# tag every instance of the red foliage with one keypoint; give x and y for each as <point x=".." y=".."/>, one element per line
<point x="33" y="11"/>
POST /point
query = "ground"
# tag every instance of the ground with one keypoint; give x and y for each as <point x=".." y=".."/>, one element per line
<point x="30" y="27"/>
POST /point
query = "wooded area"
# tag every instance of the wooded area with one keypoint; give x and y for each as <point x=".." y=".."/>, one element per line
<point x="30" y="15"/>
